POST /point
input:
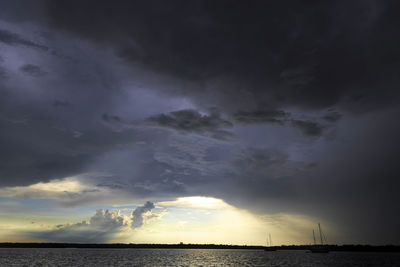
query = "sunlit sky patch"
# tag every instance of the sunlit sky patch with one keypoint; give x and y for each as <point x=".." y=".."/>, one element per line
<point x="196" y="219"/>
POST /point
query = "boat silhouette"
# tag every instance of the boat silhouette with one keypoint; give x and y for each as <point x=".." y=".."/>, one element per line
<point x="319" y="248"/>
<point x="269" y="246"/>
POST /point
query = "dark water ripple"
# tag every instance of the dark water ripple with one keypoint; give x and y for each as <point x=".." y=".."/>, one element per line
<point x="189" y="257"/>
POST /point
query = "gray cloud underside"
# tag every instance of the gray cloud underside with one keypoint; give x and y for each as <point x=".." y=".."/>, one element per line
<point x="193" y="121"/>
<point x="332" y="116"/>
<point x="11" y="38"/>
<point x="274" y="52"/>
<point x="309" y="128"/>
<point x="32" y="70"/>
<point x="260" y="116"/>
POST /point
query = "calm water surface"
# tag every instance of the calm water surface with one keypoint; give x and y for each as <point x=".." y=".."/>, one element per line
<point x="189" y="257"/>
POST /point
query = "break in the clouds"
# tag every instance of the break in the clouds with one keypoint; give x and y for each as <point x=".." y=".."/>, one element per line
<point x="288" y="107"/>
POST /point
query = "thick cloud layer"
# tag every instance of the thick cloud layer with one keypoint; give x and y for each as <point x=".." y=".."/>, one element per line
<point x="260" y="117"/>
<point x="11" y="38"/>
<point x="193" y="121"/>
<point x="274" y="107"/>
<point x="308" y="127"/>
<point x="313" y="55"/>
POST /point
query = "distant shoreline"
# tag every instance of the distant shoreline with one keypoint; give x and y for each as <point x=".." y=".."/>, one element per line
<point x="359" y="248"/>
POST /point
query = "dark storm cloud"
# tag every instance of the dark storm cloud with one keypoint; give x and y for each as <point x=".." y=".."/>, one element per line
<point x="2" y="73"/>
<point x="40" y="151"/>
<point x="358" y="186"/>
<point x="116" y="123"/>
<point x="110" y="118"/>
<point x="260" y="117"/>
<point x="193" y="122"/>
<point x="332" y="116"/>
<point x="41" y="141"/>
<point x="51" y="124"/>
<point x="11" y="38"/>
<point x="33" y="152"/>
<point x="266" y="165"/>
<point x="32" y="70"/>
<point x="239" y="176"/>
<point x="308" y="128"/>
<point x="262" y="180"/>
<point x="61" y="103"/>
<point x="22" y="10"/>
<point x="313" y="54"/>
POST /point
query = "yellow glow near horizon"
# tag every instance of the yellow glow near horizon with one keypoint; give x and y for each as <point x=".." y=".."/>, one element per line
<point x="38" y="190"/>
<point x="68" y="184"/>
<point x="194" y="219"/>
<point x="200" y="202"/>
<point x="199" y="219"/>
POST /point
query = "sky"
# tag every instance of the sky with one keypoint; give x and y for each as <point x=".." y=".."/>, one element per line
<point x="199" y="121"/>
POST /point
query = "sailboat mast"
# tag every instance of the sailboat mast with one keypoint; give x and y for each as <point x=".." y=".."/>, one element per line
<point x="270" y="240"/>
<point x="313" y="235"/>
<point x="320" y="233"/>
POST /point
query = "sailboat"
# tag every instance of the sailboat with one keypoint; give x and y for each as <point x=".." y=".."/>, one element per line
<point x="319" y="248"/>
<point x="269" y="246"/>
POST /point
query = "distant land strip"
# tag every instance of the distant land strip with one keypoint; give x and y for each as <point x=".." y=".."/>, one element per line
<point x="360" y="248"/>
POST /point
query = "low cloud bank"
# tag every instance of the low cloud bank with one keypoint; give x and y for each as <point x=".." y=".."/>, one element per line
<point x="103" y="226"/>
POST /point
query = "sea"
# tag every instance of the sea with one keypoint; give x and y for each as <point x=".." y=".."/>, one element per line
<point x="189" y="257"/>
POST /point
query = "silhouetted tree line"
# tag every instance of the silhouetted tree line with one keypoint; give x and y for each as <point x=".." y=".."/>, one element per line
<point x="118" y="245"/>
<point x="361" y="248"/>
